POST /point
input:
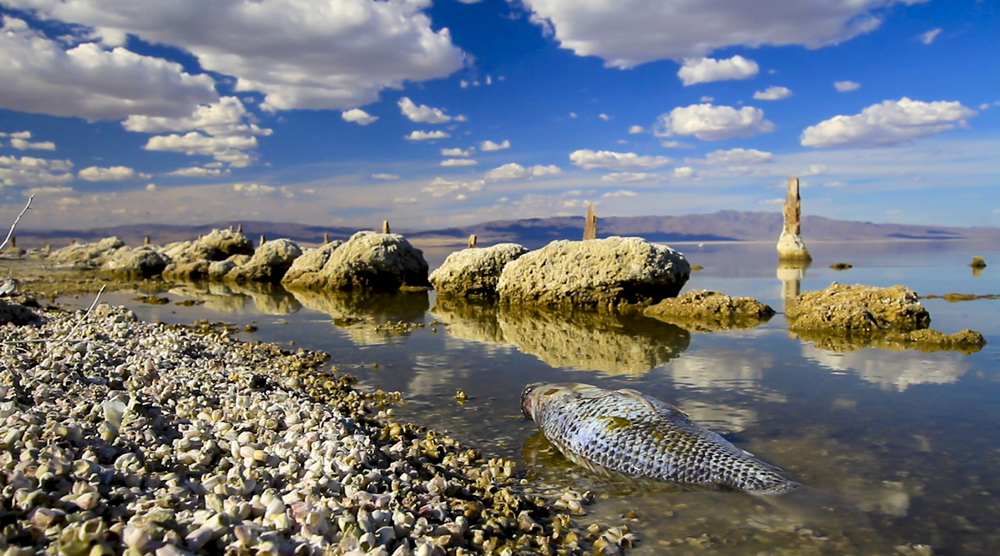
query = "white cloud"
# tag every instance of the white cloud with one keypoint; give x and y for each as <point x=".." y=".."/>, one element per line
<point x="929" y="36"/>
<point x="738" y="156"/>
<point x="46" y="190"/>
<point x="626" y="33"/>
<point x="813" y="170"/>
<point x="358" y="116"/>
<point x="684" y="172"/>
<point x="491" y="146"/>
<point x="150" y="187"/>
<point x="572" y="114"/>
<point x="712" y="123"/>
<point x="604" y="116"/>
<point x="773" y="93"/>
<point x="676" y="145"/>
<point x="704" y="70"/>
<point x="589" y="159"/>
<point x="625" y="177"/>
<point x="91" y="82"/>
<point x="620" y="193"/>
<point x="835" y="183"/>
<point x="775" y="201"/>
<point x="636" y="129"/>
<point x="335" y="55"/>
<point x="386" y="176"/>
<point x="254" y="189"/>
<point x="440" y="187"/>
<point x="229" y="149"/>
<point x="458" y="152"/>
<point x="28" y="170"/>
<point x="458" y="162"/>
<point x="19" y="141"/>
<point x="886" y="124"/>
<point x="706" y="98"/>
<point x="114" y="173"/>
<point x="845" y="86"/>
<point x="513" y="171"/>
<point x="196" y="172"/>
<point x="426" y="135"/>
<point x="224" y="118"/>
<point x="405" y="201"/>
<point x="422" y="113"/>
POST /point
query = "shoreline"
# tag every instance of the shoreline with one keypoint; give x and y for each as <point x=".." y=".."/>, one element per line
<point x="134" y="437"/>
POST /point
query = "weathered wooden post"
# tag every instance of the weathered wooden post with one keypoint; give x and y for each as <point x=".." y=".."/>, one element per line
<point x="262" y="239"/>
<point x="326" y="238"/>
<point x="590" y="227"/>
<point x="385" y="227"/>
<point x="472" y="241"/>
<point x="790" y="244"/>
<point x="146" y="241"/>
<point x="239" y="229"/>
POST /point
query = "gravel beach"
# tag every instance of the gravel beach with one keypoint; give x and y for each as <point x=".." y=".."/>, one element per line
<point x="122" y="436"/>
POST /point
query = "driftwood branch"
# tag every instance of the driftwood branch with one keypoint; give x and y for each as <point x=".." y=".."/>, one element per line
<point x="14" y="225"/>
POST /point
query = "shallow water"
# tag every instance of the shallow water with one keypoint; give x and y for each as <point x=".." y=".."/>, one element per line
<point x="895" y="447"/>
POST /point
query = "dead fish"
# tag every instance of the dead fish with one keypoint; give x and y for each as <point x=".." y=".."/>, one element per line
<point x="634" y="434"/>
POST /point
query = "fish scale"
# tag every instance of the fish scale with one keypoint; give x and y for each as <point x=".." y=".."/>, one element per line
<point x="634" y="434"/>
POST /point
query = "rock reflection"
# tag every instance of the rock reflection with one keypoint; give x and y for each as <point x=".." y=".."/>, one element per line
<point x="614" y="344"/>
<point x="369" y="318"/>
<point x="236" y="298"/>
<point x="893" y="370"/>
<point x="791" y="274"/>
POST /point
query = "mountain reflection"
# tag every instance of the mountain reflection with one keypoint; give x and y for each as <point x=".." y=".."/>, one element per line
<point x="613" y="344"/>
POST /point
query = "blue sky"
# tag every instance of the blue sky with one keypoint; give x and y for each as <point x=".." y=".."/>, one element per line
<point x="350" y="112"/>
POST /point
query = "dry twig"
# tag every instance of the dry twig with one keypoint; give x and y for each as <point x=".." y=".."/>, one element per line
<point x="16" y="220"/>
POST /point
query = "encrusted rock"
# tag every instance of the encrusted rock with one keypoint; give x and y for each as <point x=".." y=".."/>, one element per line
<point x="858" y="309"/>
<point x="705" y="311"/>
<point x="368" y="261"/>
<point x="312" y="260"/>
<point x="604" y="273"/>
<point x="215" y="246"/>
<point x="141" y="262"/>
<point x="269" y="263"/>
<point x="474" y="271"/>
<point x="89" y="254"/>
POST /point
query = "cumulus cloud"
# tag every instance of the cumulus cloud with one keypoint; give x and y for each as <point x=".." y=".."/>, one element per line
<point x="386" y="176"/>
<point x="488" y="145"/>
<point x="886" y="124"/>
<point x="88" y="81"/>
<point x="604" y="116"/>
<point x="334" y="55"/>
<point x="589" y="159"/>
<point x="28" y="170"/>
<point x="738" y="156"/>
<point x="427" y="135"/>
<point x="458" y="152"/>
<point x="929" y="36"/>
<point x="845" y="86"/>
<point x="114" y="173"/>
<point x="704" y="70"/>
<point x="773" y="93"/>
<point x="625" y="177"/>
<point x="224" y="118"/>
<point x="19" y="141"/>
<point x="626" y="33"/>
<point x="636" y="129"/>
<point x="514" y="171"/>
<point x="228" y="149"/>
<point x="458" y="162"/>
<point x="712" y="123"/>
<point x="261" y="190"/>
<point x="684" y="172"/>
<point x="197" y="172"/>
<point x="620" y="193"/>
<point x="440" y="187"/>
<point x="358" y="116"/>
<point x="422" y="113"/>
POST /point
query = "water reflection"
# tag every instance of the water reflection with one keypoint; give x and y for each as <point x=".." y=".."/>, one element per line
<point x="893" y="370"/>
<point x="791" y="274"/>
<point x="268" y="298"/>
<point x="369" y="318"/>
<point x="613" y="344"/>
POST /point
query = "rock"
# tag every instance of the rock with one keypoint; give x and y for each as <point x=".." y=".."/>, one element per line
<point x="141" y="262"/>
<point x="190" y="270"/>
<point x="841" y="266"/>
<point x="792" y="248"/>
<point x="215" y="246"/>
<point x="269" y="263"/>
<point x="312" y="260"/>
<point x="705" y="311"/>
<point x="977" y="262"/>
<point x="88" y="254"/>
<point x="369" y="261"/>
<point x="603" y="273"/>
<point x="16" y="314"/>
<point x="474" y="271"/>
<point x="219" y="269"/>
<point x="968" y="341"/>
<point x="857" y="309"/>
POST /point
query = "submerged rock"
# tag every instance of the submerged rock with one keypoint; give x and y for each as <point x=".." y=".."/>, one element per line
<point x="858" y="308"/>
<point x="603" y="273"/>
<point x="474" y="271"/>
<point x="977" y="262"/>
<point x="368" y="261"/>
<point x="705" y="311"/>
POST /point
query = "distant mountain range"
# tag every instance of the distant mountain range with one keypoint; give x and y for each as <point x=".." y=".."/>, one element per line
<point x="724" y="225"/>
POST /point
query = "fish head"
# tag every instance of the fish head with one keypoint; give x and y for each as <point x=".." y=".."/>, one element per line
<point x="536" y="395"/>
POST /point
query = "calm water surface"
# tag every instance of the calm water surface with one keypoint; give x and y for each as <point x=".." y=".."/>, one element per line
<point x="896" y="447"/>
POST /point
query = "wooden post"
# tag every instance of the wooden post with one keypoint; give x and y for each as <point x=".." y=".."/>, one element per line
<point x="13" y="242"/>
<point x="146" y="240"/>
<point x="262" y="239"/>
<point x="793" y="208"/>
<point x="472" y="241"/>
<point x="590" y="228"/>
<point x="385" y="227"/>
<point x="326" y="238"/>
<point x="239" y="229"/>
